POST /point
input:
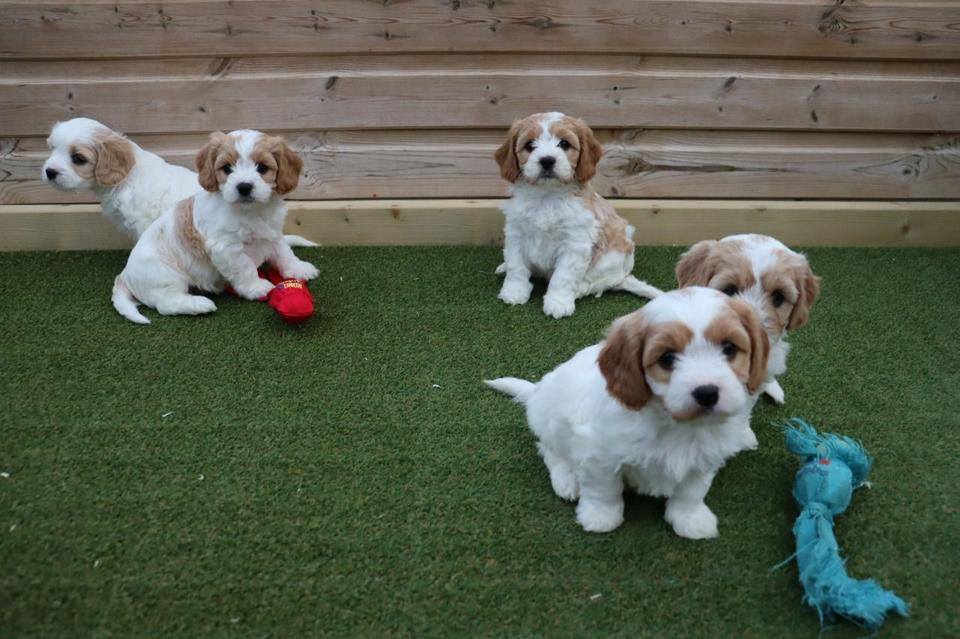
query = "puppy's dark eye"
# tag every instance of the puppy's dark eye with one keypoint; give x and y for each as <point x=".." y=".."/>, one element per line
<point x="563" y="144"/>
<point x="227" y="169"/>
<point x="777" y="298"/>
<point x="261" y="168"/>
<point x="729" y="350"/>
<point x="78" y="159"/>
<point x="529" y="146"/>
<point x="667" y="360"/>
<point x="731" y="290"/>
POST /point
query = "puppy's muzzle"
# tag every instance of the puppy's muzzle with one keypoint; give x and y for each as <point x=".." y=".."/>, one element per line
<point x="51" y="174"/>
<point x="706" y="396"/>
<point x="546" y="166"/>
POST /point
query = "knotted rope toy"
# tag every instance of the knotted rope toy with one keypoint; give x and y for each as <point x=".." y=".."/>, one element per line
<point x="835" y="466"/>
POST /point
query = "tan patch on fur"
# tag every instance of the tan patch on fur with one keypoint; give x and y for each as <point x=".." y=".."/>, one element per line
<point x="613" y="228"/>
<point x="219" y="150"/>
<point x="620" y="361"/>
<point x="588" y="148"/>
<point x="741" y="326"/>
<point x="715" y="264"/>
<point x="661" y="339"/>
<point x="90" y="154"/>
<point x="187" y="233"/>
<point x="282" y="162"/>
<point x="511" y="155"/>
<point x="115" y="157"/>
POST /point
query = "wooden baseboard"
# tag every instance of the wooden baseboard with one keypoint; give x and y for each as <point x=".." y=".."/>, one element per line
<point x="429" y="222"/>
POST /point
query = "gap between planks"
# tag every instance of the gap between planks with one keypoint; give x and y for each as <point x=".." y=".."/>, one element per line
<point x="478" y="222"/>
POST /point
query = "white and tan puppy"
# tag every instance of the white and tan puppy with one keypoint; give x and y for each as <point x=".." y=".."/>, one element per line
<point x="659" y="407"/>
<point x="220" y="235"/>
<point x="557" y="226"/>
<point x="134" y="186"/>
<point x="775" y="280"/>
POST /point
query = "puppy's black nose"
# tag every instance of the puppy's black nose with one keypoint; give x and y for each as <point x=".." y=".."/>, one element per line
<point x="707" y="396"/>
<point x="244" y="188"/>
<point x="547" y="161"/>
<point x="51" y="174"/>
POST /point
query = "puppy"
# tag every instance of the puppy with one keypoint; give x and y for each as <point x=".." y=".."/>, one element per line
<point x="778" y="283"/>
<point x="557" y="226"/>
<point x="134" y="186"/>
<point x="659" y="406"/>
<point x="220" y="235"/>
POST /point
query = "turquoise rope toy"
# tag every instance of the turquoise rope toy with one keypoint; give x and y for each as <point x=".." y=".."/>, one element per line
<point x="835" y="466"/>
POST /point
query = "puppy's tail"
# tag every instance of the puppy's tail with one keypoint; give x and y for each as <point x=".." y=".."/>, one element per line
<point x="519" y="389"/>
<point x="297" y="241"/>
<point x="125" y="303"/>
<point x="631" y="284"/>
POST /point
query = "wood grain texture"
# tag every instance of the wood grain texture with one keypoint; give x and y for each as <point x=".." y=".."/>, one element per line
<point x="462" y="222"/>
<point x="897" y="29"/>
<point x="637" y="163"/>
<point x="619" y="91"/>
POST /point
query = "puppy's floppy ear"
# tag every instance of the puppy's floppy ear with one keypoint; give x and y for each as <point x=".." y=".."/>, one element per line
<point x="621" y="361"/>
<point x="506" y="155"/>
<point x="289" y="166"/>
<point x="206" y="162"/>
<point x="693" y="269"/>
<point x="808" y="289"/>
<point x="759" y="343"/>
<point x="590" y="151"/>
<point x="115" y="159"/>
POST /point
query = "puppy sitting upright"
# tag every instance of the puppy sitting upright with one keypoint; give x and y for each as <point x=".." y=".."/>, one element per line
<point x="135" y="186"/>
<point x="220" y="235"/>
<point x="660" y="405"/>
<point x="557" y="226"/>
<point x="776" y="281"/>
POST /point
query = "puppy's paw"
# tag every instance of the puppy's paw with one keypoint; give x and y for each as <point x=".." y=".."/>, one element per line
<point x="600" y="517"/>
<point x="698" y="522"/>
<point x="514" y="292"/>
<point x="301" y="271"/>
<point x="558" y="306"/>
<point x="254" y="291"/>
<point x="564" y="482"/>
<point x="775" y="391"/>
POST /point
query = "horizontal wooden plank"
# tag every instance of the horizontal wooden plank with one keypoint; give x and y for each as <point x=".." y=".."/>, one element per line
<point x="637" y="163"/>
<point x="440" y="91"/>
<point x="435" y="222"/>
<point x="778" y="28"/>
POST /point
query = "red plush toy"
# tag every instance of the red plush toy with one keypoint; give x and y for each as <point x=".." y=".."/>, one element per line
<point x="290" y="298"/>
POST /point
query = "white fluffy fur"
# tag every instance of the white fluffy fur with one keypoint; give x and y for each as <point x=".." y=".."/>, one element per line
<point x="152" y="187"/>
<point x="593" y="445"/>
<point x="237" y="238"/>
<point x="550" y="233"/>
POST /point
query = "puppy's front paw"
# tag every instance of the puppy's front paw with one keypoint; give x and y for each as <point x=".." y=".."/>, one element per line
<point x="254" y="291"/>
<point x="698" y="522"/>
<point x="775" y="391"/>
<point x="301" y="271"/>
<point x="564" y="483"/>
<point x="600" y="517"/>
<point x="558" y="306"/>
<point x="514" y="292"/>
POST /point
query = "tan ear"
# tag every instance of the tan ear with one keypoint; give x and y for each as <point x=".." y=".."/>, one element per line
<point x="289" y="166"/>
<point x="693" y="269"/>
<point x="590" y="152"/>
<point x="115" y="159"/>
<point x="621" y="361"/>
<point x="506" y="155"/>
<point x="206" y="162"/>
<point x="759" y="343"/>
<point x="808" y="288"/>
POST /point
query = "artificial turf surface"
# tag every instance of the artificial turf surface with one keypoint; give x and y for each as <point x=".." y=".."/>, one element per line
<point x="233" y="476"/>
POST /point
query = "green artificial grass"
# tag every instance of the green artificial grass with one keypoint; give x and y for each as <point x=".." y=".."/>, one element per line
<point x="233" y="476"/>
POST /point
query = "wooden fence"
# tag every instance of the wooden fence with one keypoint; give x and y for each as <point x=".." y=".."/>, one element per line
<point x="740" y="101"/>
